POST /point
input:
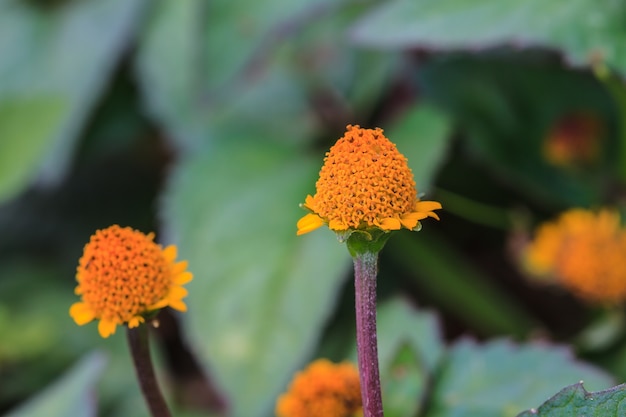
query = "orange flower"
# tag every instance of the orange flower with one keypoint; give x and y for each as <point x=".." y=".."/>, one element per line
<point x="584" y="252"/>
<point x="575" y="139"/>
<point x="124" y="275"/>
<point x="322" y="389"/>
<point x="365" y="183"/>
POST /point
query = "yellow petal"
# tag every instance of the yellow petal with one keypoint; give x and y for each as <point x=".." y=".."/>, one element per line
<point x="178" y="305"/>
<point x="135" y="321"/>
<point x="174" y="296"/>
<point x="177" y="293"/>
<point x="433" y="215"/>
<point x="159" y="304"/>
<point x="179" y="267"/>
<point x="410" y="220"/>
<point x="309" y="223"/>
<point x="169" y="253"/>
<point x="426" y="206"/>
<point x="309" y="203"/>
<point x="390" y="223"/>
<point x="81" y="313"/>
<point x="106" y="327"/>
<point x="183" y="278"/>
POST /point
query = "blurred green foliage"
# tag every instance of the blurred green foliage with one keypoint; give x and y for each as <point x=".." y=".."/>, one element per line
<point x="207" y="122"/>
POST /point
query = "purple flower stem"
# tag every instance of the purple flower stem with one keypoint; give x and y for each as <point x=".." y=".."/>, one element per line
<point x="140" y="352"/>
<point x="365" y="270"/>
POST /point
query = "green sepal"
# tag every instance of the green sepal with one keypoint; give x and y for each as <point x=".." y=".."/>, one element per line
<point x="364" y="241"/>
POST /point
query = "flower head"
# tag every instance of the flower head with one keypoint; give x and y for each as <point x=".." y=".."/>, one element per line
<point x="124" y="275"/>
<point x="584" y="252"/>
<point x="365" y="183"/>
<point x="575" y="139"/>
<point x="322" y="389"/>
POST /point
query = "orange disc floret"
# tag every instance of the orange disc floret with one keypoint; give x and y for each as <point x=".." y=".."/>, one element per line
<point x="122" y="275"/>
<point x="575" y="139"/>
<point x="322" y="389"/>
<point x="365" y="182"/>
<point x="584" y="252"/>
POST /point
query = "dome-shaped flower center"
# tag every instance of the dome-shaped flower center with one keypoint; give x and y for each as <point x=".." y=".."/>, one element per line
<point x="121" y="273"/>
<point x="364" y="179"/>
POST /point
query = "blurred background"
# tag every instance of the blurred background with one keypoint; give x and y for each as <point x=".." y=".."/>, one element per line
<point x="207" y="122"/>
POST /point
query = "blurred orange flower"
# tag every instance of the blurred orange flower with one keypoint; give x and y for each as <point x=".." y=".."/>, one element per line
<point x="575" y="139"/>
<point x="123" y="275"/>
<point x="583" y="251"/>
<point x="322" y="389"/>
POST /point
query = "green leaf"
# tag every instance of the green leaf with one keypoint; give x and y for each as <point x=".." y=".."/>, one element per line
<point x="399" y="323"/>
<point x="456" y="285"/>
<point x="576" y="401"/>
<point x="499" y="378"/>
<point x="281" y="52"/>
<point x="582" y="28"/>
<point x="422" y="134"/>
<point x="616" y="86"/>
<point x="260" y="295"/>
<point x="72" y="395"/>
<point x="55" y="63"/>
<point x="507" y="103"/>
<point x="403" y="384"/>
<point x="410" y="347"/>
<point x="25" y="143"/>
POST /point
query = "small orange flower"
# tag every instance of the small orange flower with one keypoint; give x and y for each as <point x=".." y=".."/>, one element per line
<point x="322" y="389"/>
<point x="584" y="252"/>
<point x="124" y="275"/>
<point x="574" y="139"/>
<point x="365" y="183"/>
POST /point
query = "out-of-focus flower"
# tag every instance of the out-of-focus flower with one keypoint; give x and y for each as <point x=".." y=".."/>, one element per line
<point x="575" y="139"/>
<point x="365" y="183"/>
<point x="583" y="251"/>
<point x="124" y="275"/>
<point x="322" y="389"/>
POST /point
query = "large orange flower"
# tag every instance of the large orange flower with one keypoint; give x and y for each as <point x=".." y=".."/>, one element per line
<point x="365" y="183"/>
<point x="124" y="275"/>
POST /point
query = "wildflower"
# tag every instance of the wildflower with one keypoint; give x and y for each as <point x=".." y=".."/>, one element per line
<point x="365" y="183"/>
<point x="322" y="389"/>
<point x="584" y="252"/>
<point x="575" y="139"/>
<point x="123" y="276"/>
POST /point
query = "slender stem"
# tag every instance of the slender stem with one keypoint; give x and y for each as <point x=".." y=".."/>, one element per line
<point x="140" y="351"/>
<point x="365" y="270"/>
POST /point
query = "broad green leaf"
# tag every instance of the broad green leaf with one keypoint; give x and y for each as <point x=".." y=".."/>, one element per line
<point x="37" y="340"/>
<point x="410" y="347"/>
<point x="55" y="63"/>
<point x="260" y="295"/>
<point x="72" y="395"/>
<point x="399" y="323"/>
<point x="422" y="134"/>
<point x="23" y="142"/>
<point x="616" y="86"/>
<point x="576" y="401"/>
<point x="403" y="384"/>
<point x="279" y="66"/>
<point x="584" y="29"/>
<point x="507" y="103"/>
<point x="457" y="287"/>
<point x="498" y="379"/>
